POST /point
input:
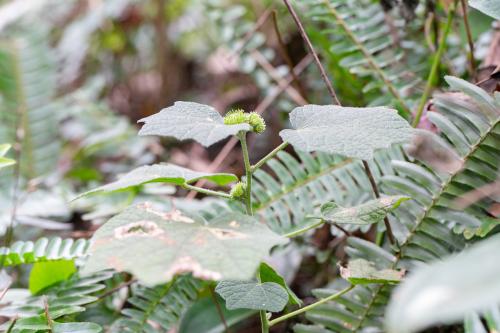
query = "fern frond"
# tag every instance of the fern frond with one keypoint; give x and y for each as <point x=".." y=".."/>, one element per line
<point x="64" y="301"/>
<point x="426" y="223"/>
<point x="44" y="249"/>
<point x="27" y="88"/>
<point x="158" y="309"/>
<point x="297" y="187"/>
<point x="361" y="35"/>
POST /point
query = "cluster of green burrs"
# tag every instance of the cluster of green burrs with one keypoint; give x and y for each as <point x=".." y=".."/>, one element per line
<point x="239" y="116"/>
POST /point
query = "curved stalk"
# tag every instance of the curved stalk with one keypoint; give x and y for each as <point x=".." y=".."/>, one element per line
<point x="248" y="173"/>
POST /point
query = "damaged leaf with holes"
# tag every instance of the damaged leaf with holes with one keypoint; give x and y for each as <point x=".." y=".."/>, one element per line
<point x="156" y="246"/>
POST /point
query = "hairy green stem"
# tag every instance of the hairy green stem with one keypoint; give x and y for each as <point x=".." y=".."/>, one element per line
<point x="207" y="191"/>
<point x="268" y="156"/>
<point x="264" y="323"/>
<point x="310" y="306"/>
<point x="435" y="65"/>
<point x="298" y="232"/>
<point x="248" y="173"/>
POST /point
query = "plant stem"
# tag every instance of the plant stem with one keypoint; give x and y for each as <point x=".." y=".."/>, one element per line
<point x="219" y="310"/>
<point x="469" y="37"/>
<point x="264" y="322"/>
<point x="312" y="50"/>
<point x="388" y="228"/>
<point x="268" y="157"/>
<point x="298" y="232"/>
<point x="435" y="65"/>
<point x="310" y="306"/>
<point x="207" y="191"/>
<point x="248" y="173"/>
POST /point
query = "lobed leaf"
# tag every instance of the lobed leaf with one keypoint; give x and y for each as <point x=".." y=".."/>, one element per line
<point x="369" y="212"/>
<point x="161" y="173"/>
<point x="268" y="296"/>
<point x="348" y="131"/>
<point x="361" y="271"/>
<point x="156" y="246"/>
<point x="188" y="120"/>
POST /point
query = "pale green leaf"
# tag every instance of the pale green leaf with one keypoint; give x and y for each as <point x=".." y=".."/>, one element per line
<point x="81" y="327"/>
<point x="489" y="7"/>
<point x="162" y="173"/>
<point x="188" y="120"/>
<point x="369" y="212"/>
<point x="445" y="291"/>
<point x="155" y="246"/>
<point x="348" y="131"/>
<point x="45" y="274"/>
<point x="268" y="274"/>
<point x="361" y="271"/>
<point x="4" y="162"/>
<point x="268" y="296"/>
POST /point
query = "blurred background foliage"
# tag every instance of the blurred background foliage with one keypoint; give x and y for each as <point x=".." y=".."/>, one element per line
<point x="76" y="75"/>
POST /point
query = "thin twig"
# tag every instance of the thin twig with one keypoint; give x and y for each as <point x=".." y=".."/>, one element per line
<point x="291" y="91"/>
<point x="285" y="55"/>
<point x="312" y="50"/>
<point x="50" y="323"/>
<point x="388" y="228"/>
<point x="334" y="97"/>
<point x="262" y="19"/>
<point x="469" y="38"/>
<point x="219" y="310"/>
<point x="248" y="173"/>
<point x="266" y="102"/>
<point x="207" y="191"/>
<point x="115" y="289"/>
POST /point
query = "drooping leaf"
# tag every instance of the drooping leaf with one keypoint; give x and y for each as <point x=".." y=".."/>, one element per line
<point x="268" y="274"/>
<point x="4" y="161"/>
<point x="268" y="296"/>
<point x="45" y="274"/>
<point x="369" y="212"/>
<point x="348" y="131"/>
<point x="80" y="327"/>
<point x="162" y="173"/>
<point x="361" y="271"/>
<point x="188" y="120"/>
<point x="489" y="7"/>
<point x="155" y="246"/>
<point x="446" y="291"/>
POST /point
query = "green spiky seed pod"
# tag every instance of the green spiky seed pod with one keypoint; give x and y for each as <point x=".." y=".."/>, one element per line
<point x="238" y="190"/>
<point x="257" y="122"/>
<point x="234" y="117"/>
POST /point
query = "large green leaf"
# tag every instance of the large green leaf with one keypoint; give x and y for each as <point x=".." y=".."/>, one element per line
<point x="45" y="274"/>
<point x="188" y="120"/>
<point x="268" y="296"/>
<point x="446" y="291"/>
<point x="348" y="131"/>
<point x="489" y="7"/>
<point x="369" y="212"/>
<point x="361" y="271"/>
<point x="162" y="173"/>
<point x="155" y="246"/>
